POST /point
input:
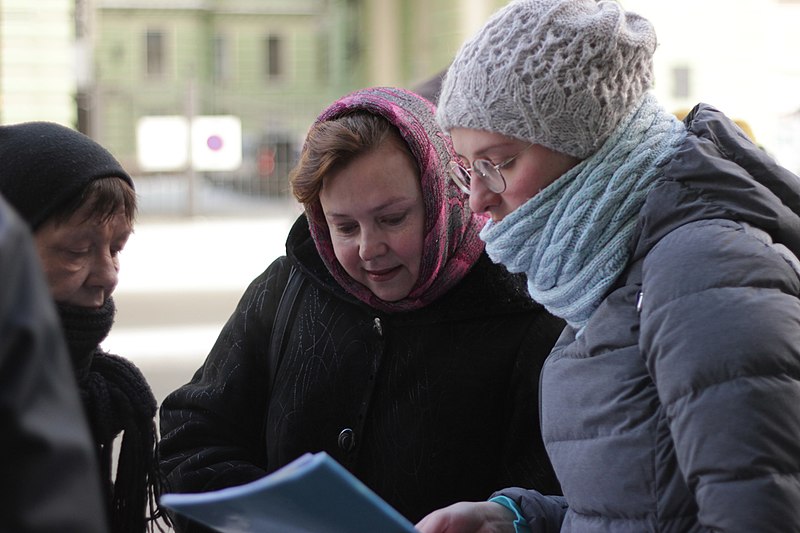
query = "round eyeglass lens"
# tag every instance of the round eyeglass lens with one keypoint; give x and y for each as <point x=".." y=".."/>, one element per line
<point x="491" y="175"/>
<point x="460" y="176"/>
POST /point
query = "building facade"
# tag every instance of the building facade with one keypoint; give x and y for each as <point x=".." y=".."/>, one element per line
<point x="257" y="60"/>
<point x="102" y="65"/>
<point x="274" y="63"/>
<point x="38" y="69"/>
<point x="738" y="57"/>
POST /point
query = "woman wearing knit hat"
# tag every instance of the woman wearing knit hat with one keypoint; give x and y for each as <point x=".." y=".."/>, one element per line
<point x="80" y="205"/>
<point x="385" y="337"/>
<point x="672" y="400"/>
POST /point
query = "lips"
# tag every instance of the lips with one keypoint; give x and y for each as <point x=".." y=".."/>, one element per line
<point x="382" y="275"/>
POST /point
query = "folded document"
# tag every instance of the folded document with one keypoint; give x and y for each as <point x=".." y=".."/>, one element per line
<point x="312" y="494"/>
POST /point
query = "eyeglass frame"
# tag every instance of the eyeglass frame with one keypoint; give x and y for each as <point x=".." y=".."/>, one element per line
<point x="462" y="176"/>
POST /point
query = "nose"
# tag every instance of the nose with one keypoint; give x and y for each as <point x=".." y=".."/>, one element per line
<point x="481" y="199"/>
<point x="105" y="272"/>
<point x="372" y="245"/>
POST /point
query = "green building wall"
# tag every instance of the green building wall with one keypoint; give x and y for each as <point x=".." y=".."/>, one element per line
<point x="328" y="48"/>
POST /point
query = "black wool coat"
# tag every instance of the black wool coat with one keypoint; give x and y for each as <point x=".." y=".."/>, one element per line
<point x="427" y="407"/>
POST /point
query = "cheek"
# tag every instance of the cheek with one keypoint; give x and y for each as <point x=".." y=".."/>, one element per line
<point x="60" y="267"/>
<point x="63" y="280"/>
<point x="409" y="247"/>
<point x="523" y="190"/>
<point x="347" y="254"/>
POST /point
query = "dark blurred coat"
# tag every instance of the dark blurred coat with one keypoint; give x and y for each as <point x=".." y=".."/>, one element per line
<point x="48" y="472"/>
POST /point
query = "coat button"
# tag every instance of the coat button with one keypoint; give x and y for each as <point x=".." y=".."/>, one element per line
<point x="347" y="440"/>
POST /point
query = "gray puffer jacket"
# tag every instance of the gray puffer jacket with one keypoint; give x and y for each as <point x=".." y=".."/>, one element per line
<point x="678" y="408"/>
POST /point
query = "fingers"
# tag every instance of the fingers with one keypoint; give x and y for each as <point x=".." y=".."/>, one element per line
<point x="469" y="517"/>
<point x="436" y="522"/>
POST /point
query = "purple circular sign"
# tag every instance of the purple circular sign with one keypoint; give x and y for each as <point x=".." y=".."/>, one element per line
<point x="214" y="142"/>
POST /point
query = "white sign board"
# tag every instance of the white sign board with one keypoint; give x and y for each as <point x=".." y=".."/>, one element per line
<point x="163" y="144"/>
<point x="217" y="143"/>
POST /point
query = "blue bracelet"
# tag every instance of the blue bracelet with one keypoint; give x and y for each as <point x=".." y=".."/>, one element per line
<point x="520" y="524"/>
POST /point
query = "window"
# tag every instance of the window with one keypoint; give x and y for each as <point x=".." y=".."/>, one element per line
<point x="81" y="19"/>
<point x="154" y="45"/>
<point x="353" y="44"/>
<point x="323" y="57"/>
<point x="681" y="82"/>
<point x="274" y="57"/>
<point x="221" y="59"/>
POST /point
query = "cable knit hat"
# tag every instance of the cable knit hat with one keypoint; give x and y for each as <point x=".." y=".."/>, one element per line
<point x="43" y="165"/>
<point x="559" y="73"/>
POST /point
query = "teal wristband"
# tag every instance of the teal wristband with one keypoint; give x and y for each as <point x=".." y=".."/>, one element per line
<point x="520" y="524"/>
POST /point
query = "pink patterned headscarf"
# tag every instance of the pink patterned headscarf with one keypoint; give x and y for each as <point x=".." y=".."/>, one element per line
<point x="451" y="241"/>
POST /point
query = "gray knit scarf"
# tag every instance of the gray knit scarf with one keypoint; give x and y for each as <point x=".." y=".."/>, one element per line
<point x="573" y="239"/>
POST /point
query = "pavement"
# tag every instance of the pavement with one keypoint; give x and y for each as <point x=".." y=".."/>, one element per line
<point x="180" y="279"/>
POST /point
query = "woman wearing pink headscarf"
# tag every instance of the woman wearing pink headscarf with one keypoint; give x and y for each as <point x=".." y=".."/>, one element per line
<point x="403" y="352"/>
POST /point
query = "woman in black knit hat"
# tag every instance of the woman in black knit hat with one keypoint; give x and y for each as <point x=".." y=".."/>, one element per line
<point x="80" y="204"/>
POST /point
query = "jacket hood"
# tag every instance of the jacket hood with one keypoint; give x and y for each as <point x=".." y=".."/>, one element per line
<point x="718" y="172"/>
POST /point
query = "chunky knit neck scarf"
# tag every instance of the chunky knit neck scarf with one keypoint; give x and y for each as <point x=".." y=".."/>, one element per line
<point x="84" y="329"/>
<point x="451" y="239"/>
<point x="573" y="239"/>
<point x="117" y="400"/>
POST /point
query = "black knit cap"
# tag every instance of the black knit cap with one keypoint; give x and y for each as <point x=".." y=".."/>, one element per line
<point x="43" y="165"/>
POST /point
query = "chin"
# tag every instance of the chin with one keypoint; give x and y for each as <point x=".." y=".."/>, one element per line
<point x="390" y="296"/>
<point x="499" y="216"/>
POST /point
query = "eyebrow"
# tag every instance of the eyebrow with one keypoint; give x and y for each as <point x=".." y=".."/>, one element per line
<point x="482" y="152"/>
<point x="391" y="202"/>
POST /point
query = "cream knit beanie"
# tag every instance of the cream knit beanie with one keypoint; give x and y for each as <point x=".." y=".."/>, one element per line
<point x="560" y="73"/>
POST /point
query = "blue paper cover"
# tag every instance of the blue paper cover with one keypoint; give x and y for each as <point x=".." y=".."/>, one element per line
<point x="312" y="494"/>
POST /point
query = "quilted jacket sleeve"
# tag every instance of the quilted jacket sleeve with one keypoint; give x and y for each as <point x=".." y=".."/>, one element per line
<point x="544" y="514"/>
<point x="720" y="333"/>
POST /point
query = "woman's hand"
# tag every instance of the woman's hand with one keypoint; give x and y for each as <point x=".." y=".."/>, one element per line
<point x="469" y="517"/>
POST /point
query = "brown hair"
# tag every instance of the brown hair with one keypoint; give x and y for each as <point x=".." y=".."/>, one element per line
<point x="333" y="144"/>
<point x="104" y="197"/>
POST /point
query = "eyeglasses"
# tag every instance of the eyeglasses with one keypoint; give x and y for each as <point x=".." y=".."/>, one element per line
<point x="487" y="171"/>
